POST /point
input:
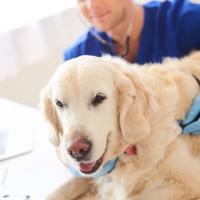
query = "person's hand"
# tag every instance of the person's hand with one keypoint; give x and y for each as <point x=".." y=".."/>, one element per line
<point x="191" y="123"/>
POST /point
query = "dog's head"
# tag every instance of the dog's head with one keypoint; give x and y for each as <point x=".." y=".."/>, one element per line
<point x="97" y="106"/>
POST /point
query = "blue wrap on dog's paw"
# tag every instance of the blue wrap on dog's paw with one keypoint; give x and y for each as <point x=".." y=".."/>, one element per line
<point x="105" y="169"/>
<point x="191" y="123"/>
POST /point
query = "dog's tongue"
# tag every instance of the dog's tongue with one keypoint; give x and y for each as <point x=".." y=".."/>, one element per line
<point x="86" y="167"/>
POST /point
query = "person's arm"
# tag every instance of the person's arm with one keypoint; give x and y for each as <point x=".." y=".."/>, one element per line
<point x="77" y="48"/>
<point x="188" y="26"/>
<point x="191" y="123"/>
<point x="71" y="52"/>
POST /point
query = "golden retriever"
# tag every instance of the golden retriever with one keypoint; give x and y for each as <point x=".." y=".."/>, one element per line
<point x="103" y="108"/>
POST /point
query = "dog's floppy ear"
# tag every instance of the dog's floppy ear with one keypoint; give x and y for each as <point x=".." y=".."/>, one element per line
<point x="135" y="104"/>
<point x="50" y="114"/>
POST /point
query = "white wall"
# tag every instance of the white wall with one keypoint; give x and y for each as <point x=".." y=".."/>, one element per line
<point x="59" y="31"/>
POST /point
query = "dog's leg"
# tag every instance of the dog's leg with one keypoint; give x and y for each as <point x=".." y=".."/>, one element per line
<point x="75" y="189"/>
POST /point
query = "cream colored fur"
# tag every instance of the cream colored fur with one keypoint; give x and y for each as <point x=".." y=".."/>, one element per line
<point x="142" y="107"/>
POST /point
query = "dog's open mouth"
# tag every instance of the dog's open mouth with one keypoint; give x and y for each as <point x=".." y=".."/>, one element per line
<point x="90" y="167"/>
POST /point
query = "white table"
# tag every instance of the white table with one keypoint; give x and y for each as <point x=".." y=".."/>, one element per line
<point x="35" y="173"/>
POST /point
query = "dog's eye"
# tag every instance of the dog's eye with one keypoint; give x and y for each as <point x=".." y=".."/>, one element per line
<point x="59" y="104"/>
<point x="99" y="98"/>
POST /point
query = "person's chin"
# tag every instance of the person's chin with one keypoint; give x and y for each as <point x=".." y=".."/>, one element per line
<point x="102" y="27"/>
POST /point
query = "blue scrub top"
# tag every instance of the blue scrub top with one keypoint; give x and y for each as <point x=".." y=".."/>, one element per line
<point x="171" y="29"/>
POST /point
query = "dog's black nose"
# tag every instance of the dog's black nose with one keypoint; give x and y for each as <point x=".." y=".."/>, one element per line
<point x="79" y="149"/>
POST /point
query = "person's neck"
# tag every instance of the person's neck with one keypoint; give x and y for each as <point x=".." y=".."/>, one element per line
<point x="134" y="17"/>
<point x="130" y="26"/>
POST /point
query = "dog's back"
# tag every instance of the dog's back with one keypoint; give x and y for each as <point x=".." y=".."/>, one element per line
<point x="180" y="168"/>
<point x="181" y="75"/>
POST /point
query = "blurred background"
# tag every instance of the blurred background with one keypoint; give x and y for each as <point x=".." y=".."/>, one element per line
<point x="33" y="35"/>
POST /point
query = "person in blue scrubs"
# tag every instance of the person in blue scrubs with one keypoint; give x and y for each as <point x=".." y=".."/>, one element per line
<point x="141" y="34"/>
